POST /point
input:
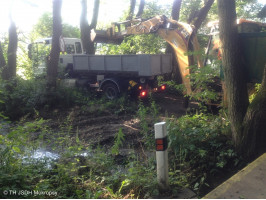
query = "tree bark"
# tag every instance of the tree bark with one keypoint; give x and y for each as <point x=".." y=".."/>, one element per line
<point x="176" y="73"/>
<point x="141" y="8"/>
<point x="254" y="134"/>
<point x="235" y="82"/>
<point x="2" y="58"/>
<point x="176" y="9"/>
<point x="85" y="28"/>
<point x="53" y="59"/>
<point x="131" y="9"/>
<point x="247" y="121"/>
<point x="9" y="71"/>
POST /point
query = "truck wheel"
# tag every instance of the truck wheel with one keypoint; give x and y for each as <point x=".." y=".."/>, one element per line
<point x="110" y="90"/>
<point x="69" y="71"/>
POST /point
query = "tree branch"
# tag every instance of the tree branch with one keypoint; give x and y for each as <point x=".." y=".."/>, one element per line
<point x="201" y="15"/>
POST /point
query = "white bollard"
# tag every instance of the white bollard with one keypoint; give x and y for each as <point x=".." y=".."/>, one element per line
<point x="161" y="155"/>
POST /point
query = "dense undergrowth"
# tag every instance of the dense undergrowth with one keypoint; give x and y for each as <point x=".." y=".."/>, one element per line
<point x="199" y="147"/>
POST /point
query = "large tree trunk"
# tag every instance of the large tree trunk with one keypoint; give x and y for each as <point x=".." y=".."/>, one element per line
<point x="247" y="121"/>
<point x="235" y="82"/>
<point x="53" y="59"/>
<point x="9" y="70"/>
<point x="85" y="28"/>
<point x="253" y="138"/>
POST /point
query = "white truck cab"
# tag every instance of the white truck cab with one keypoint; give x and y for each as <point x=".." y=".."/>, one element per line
<point x="40" y="49"/>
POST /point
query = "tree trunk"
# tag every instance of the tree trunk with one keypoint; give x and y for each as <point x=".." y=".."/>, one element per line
<point x="247" y="121"/>
<point x="131" y="9"/>
<point x="2" y="58"/>
<point x="53" y="59"/>
<point x="141" y="8"/>
<point x="235" y="82"/>
<point x="9" y="71"/>
<point x="85" y="28"/>
<point x="176" y="73"/>
<point x="253" y="140"/>
<point x="176" y="9"/>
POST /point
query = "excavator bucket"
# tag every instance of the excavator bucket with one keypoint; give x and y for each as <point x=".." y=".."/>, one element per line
<point x="102" y="36"/>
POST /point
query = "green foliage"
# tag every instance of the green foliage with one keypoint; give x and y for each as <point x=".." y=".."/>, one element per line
<point x="148" y="115"/>
<point x="257" y="87"/>
<point x="136" y="44"/>
<point x="199" y="143"/>
<point x="15" y="173"/>
<point x="74" y="174"/>
<point x="20" y="97"/>
<point x="43" y="28"/>
<point x="202" y="81"/>
<point x="119" y="139"/>
<point x="154" y="8"/>
<point x="248" y="9"/>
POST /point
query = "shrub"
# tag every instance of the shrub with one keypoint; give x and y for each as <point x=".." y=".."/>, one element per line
<point x="199" y="143"/>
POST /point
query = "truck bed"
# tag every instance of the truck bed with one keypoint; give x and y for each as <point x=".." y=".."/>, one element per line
<point x="142" y="65"/>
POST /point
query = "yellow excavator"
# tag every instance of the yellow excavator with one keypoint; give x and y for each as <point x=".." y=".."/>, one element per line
<point x="180" y="36"/>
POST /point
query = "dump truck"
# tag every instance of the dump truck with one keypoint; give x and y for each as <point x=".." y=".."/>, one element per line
<point x="117" y="74"/>
<point x="112" y="74"/>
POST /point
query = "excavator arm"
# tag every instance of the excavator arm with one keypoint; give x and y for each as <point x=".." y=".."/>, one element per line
<point x="179" y="35"/>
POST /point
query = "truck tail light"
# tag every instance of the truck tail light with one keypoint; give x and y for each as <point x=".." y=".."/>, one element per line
<point x="163" y="87"/>
<point x="143" y="93"/>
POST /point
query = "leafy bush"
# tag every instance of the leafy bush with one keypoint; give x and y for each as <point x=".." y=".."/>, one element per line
<point x="203" y="83"/>
<point x="20" y="97"/>
<point x="199" y="143"/>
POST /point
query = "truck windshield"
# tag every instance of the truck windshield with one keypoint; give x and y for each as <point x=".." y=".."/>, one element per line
<point x="70" y="49"/>
<point x="78" y="47"/>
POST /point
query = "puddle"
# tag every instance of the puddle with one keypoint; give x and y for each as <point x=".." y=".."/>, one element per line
<point x="41" y="154"/>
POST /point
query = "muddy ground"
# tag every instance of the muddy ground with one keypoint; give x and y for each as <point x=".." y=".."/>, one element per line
<point x="100" y="128"/>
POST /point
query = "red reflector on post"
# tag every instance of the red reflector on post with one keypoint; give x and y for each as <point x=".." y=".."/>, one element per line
<point x="161" y="144"/>
<point x="163" y="87"/>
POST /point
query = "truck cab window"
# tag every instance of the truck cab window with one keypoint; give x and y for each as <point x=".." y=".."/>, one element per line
<point x="70" y="49"/>
<point x="78" y="47"/>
